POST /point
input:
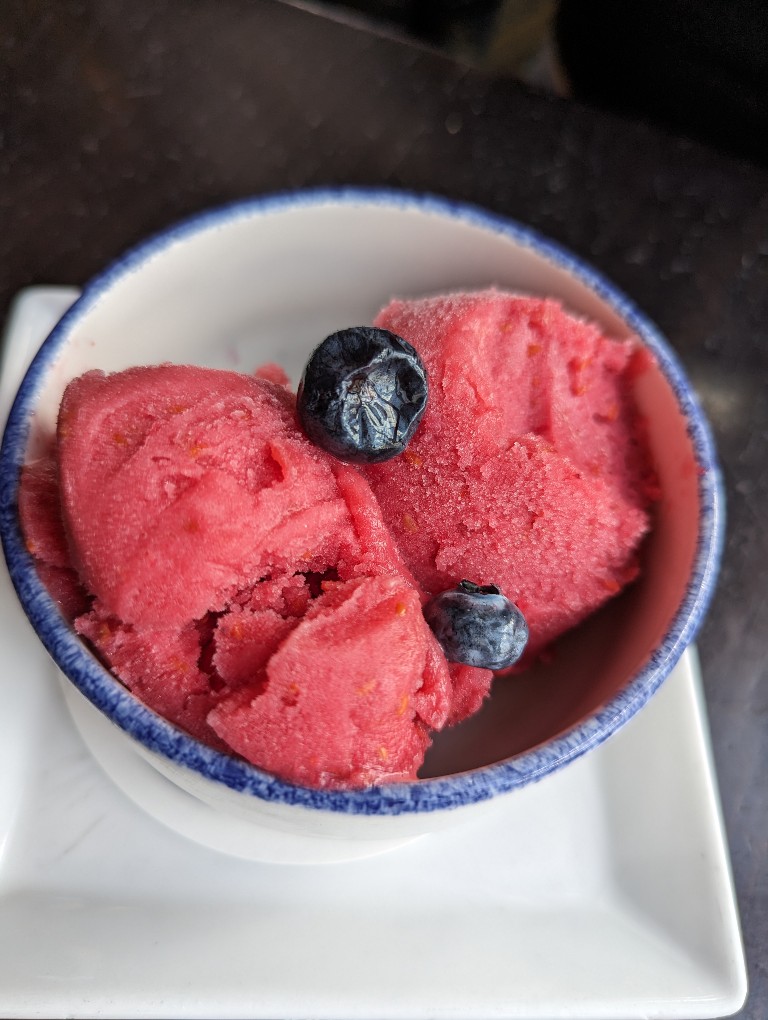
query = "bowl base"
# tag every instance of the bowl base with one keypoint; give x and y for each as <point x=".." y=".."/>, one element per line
<point x="196" y="820"/>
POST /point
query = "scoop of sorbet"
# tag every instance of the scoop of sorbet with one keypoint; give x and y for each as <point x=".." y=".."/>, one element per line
<point x="239" y="580"/>
<point x="530" y="466"/>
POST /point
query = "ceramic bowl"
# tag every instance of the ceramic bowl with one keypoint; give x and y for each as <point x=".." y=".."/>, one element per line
<point x="264" y="280"/>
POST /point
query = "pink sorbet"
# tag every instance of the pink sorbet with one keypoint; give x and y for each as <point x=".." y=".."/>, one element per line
<point x="240" y="581"/>
<point x="530" y="467"/>
<point x="267" y="598"/>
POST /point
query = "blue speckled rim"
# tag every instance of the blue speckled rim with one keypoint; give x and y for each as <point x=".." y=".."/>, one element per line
<point x="425" y="795"/>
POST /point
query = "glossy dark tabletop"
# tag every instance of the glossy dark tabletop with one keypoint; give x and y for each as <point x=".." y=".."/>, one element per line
<point x="119" y="116"/>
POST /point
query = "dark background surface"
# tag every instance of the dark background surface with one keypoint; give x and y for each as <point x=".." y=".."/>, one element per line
<point x="120" y="116"/>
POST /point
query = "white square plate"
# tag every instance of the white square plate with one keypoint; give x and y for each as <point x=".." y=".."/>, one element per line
<point x="602" y="892"/>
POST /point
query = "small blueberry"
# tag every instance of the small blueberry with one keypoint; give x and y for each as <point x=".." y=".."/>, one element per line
<point x="478" y="626"/>
<point x="362" y="394"/>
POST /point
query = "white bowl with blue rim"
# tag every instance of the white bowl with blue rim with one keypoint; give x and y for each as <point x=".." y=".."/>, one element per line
<point x="264" y="280"/>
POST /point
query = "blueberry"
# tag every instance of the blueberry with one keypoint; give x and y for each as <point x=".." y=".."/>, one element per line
<point x="478" y="626"/>
<point x="362" y="394"/>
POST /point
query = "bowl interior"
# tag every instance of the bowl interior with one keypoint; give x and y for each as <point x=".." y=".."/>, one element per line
<point x="268" y="282"/>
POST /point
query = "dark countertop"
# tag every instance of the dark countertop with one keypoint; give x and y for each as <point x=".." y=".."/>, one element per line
<point x="122" y="115"/>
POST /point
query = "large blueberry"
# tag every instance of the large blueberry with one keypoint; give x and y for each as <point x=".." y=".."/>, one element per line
<point x="362" y="394"/>
<point x="478" y="626"/>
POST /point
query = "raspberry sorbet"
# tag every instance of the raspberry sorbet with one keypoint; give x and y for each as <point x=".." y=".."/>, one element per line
<point x="267" y="597"/>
